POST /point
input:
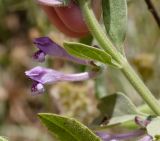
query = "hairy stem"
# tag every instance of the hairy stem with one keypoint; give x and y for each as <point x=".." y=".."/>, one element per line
<point x="97" y="31"/>
<point x="141" y="88"/>
<point x="107" y="45"/>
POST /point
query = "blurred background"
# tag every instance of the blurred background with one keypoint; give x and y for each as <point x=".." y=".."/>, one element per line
<point x="21" y="22"/>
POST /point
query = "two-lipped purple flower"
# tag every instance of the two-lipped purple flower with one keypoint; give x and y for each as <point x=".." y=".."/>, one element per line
<point x="124" y="136"/>
<point x="42" y="75"/>
<point x="47" y="47"/>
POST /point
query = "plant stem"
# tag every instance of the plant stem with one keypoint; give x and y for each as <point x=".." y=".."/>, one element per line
<point x="97" y="31"/>
<point x="145" y="109"/>
<point x="141" y="88"/>
<point x="107" y="45"/>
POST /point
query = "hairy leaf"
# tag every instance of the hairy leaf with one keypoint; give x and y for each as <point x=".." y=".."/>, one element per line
<point x="115" y="109"/>
<point x="88" y="52"/>
<point x="153" y="128"/>
<point x="67" y="129"/>
<point x="115" y="19"/>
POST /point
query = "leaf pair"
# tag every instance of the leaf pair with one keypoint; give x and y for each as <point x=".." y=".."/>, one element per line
<point x="117" y="108"/>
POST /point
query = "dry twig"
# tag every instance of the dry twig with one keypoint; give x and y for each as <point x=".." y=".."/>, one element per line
<point x="152" y="9"/>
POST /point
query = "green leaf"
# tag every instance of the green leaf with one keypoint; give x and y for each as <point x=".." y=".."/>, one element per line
<point x="115" y="109"/>
<point x="88" y="52"/>
<point x="153" y="128"/>
<point x="100" y="84"/>
<point x="115" y="19"/>
<point x="67" y="129"/>
<point x="3" y="138"/>
<point x="117" y="104"/>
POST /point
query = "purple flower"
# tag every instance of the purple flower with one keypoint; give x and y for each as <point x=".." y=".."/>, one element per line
<point x="41" y="76"/>
<point x="146" y="138"/>
<point x="47" y="47"/>
<point x="116" y="137"/>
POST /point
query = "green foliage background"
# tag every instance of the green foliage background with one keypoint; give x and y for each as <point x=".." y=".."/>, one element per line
<point x="20" y="22"/>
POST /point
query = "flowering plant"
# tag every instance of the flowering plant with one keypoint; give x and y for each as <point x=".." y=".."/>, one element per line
<point x="77" y="18"/>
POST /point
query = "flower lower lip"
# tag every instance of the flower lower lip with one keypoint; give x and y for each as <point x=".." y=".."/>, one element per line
<point x="39" y="56"/>
<point x="37" y="88"/>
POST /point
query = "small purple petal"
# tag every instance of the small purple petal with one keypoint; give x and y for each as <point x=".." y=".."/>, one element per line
<point x="146" y="138"/>
<point x="51" y="2"/>
<point x="115" y="137"/>
<point x="39" y="56"/>
<point x="43" y="75"/>
<point x="49" y="47"/>
<point x="37" y="88"/>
